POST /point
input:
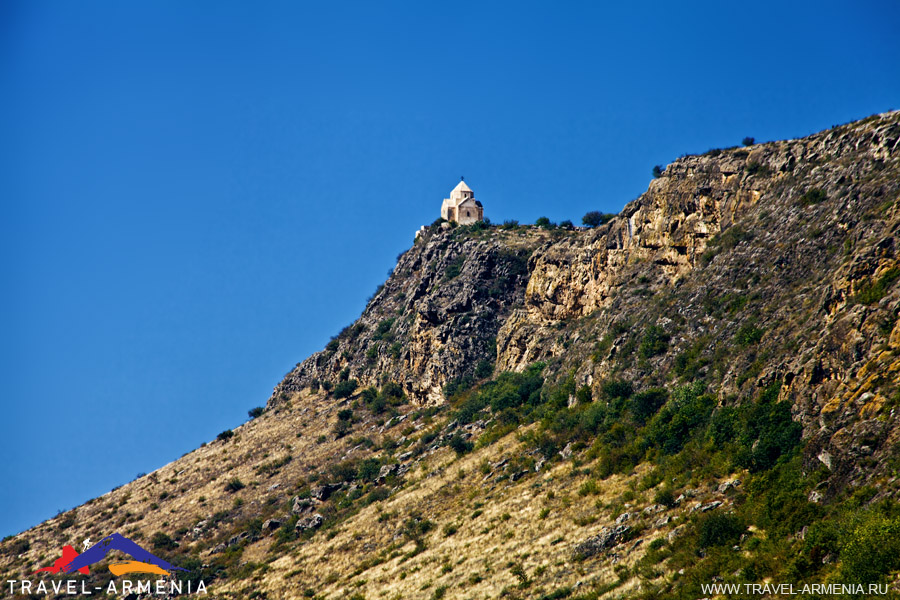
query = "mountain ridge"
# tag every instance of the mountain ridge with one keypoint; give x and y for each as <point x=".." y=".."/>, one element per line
<point x="530" y="411"/>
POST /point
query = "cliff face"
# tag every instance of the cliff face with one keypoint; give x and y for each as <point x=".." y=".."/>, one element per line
<point x="736" y="322"/>
<point x="661" y="236"/>
<point x="434" y="320"/>
<point x="804" y="253"/>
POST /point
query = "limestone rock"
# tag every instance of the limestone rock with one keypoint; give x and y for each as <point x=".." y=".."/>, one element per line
<point x="313" y="521"/>
<point x="608" y="537"/>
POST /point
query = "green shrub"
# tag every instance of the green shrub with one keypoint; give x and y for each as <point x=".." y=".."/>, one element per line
<point x="372" y="353"/>
<point x="757" y="168"/>
<point x="458" y="385"/>
<point x="415" y="527"/>
<point x="544" y="222"/>
<point x="484" y="369"/>
<point x="368" y="469"/>
<point x="382" y="330"/>
<point x="748" y="141"/>
<point x="256" y="412"/>
<point x="225" y="435"/>
<point x="717" y="529"/>
<point x="602" y="348"/>
<point x="731" y="237"/>
<point x="454" y="268"/>
<point x="680" y="419"/>
<point x="645" y="404"/>
<point x="616" y="388"/>
<point x="558" y="594"/>
<point x="813" y="196"/>
<point x="665" y="496"/>
<point x="767" y="431"/>
<point x="346" y="470"/>
<point x="748" y="335"/>
<point x="345" y="388"/>
<point x="459" y="445"/>
<point x="378" y="404"/>
<point x="875" y="290"/>
<point x="723" y="425"/>
<point x="341" y="428"/>
<point x="376" y="495"/>
<point x="654" y="342"/>
<point x="234" y="485"/>
<point x="508" y="391"/>
<point x="368" y="395"/>
<point x="657" y="171"/>
<point x="584" y="395"/>
<point x="392" y="389"/>
<point x="870" y="550"/>
<point x="68" y="520"/>
<point x="161" y="541"/>
<point x="16" y="547"/>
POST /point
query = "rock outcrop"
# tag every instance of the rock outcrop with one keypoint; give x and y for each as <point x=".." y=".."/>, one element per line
<point x="435" y="319"/>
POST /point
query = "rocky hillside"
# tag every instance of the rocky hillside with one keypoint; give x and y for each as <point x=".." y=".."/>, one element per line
<point x="701" y="390"/>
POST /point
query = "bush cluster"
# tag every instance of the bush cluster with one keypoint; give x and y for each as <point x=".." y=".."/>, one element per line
<point x="345" y="388"/>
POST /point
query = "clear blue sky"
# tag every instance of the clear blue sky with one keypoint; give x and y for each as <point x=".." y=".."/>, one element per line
<point x="196" y="195"/>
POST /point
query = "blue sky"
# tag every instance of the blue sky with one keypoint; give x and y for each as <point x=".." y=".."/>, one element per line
<point x="197" y="195"/>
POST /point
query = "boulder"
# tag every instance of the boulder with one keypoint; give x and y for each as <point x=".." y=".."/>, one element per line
<point x="314" y="521"/>
<point x="385" y="472"/>
<point x="729" y="485"/>
<point x="302" y="506"/>
<point x="608" y="537"/>
<point x="271" y="525"/>
<point x="324" y="492"/>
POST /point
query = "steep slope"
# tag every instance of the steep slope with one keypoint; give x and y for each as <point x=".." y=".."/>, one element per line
<point x="701" y="390"/>
<point x="435" y="318"/>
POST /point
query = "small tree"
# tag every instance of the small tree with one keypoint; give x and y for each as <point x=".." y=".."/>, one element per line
<point x="657" y="170"/>
<point x="225" y="435"/>
<point x="595" y="218"/>
<point x="748" y="141"/>
<point x="544" y="222"/>
<point x="256" y="412"/>
<point x="592" y="219"/>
